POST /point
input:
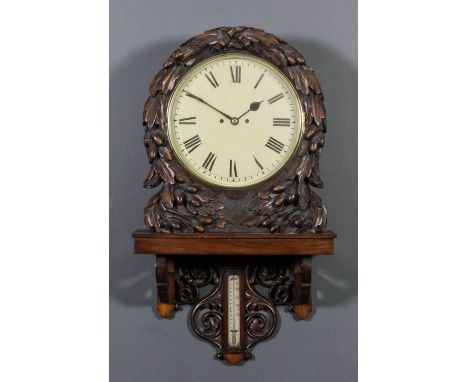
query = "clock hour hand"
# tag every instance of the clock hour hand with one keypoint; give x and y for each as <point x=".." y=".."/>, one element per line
<point x="207" y="104"/>
<point x="254" y="106"/>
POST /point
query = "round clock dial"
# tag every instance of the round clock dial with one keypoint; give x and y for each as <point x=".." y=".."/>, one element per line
<point x="234" y="121"/>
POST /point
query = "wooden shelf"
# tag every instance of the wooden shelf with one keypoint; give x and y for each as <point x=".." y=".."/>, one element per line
<point x="148" y="242"/>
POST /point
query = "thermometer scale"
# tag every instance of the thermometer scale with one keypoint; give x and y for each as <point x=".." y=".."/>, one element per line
<point x="234" y="316"/>
<point x="233" y="311"/>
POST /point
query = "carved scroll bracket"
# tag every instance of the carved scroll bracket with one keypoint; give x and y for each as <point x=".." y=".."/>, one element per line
<point x="200" y="281"/>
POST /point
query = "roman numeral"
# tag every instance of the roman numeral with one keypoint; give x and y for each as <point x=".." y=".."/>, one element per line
<point x="275" y="98"/>
<point x="232" y="168"/>
<point x="281" y="122"/>
<point x="258" y="163"/>
<point x="236" y="78"/>
<point x="192" y="143"/>
<point x="212" y="80"/>
<point x="255" y="87"/>
<point x="209" y="161"/>
<point x="275" y="145"/>
<point x="188" y="121"/>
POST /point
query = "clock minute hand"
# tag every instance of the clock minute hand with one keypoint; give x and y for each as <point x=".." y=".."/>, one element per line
<point x="207" y="104"/>
<point x="254" y="106"/>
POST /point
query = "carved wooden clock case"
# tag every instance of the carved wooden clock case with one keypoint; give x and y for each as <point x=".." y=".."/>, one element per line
<point x="234" y="126"/>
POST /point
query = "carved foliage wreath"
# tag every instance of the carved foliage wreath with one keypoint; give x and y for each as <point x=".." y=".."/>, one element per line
<point x="286" y="204"/>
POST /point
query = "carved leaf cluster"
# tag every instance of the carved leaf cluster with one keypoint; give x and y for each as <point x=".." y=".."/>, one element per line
<point x="182" y="204"/>
<point x="183" y="207"/>
<point x="290" y="206"/>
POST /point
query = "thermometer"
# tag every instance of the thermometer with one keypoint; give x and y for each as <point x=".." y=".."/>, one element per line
<point x="233" y="299"/>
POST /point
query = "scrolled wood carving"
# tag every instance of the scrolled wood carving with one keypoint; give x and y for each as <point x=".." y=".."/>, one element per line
<point x="261" y="318"/>
<point x="194" y="275"/>
<point x="274" y="277"/>
<point x="287" y="203"/>
<point x="206" y="318"/>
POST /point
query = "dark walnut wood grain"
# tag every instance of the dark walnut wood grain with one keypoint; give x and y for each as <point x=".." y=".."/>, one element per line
<point x="148" y="242"/>
<point x="165" y="280"/>
<point x="285" y="203"/>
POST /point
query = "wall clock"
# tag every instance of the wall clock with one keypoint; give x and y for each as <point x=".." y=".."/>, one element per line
<point x="234" y="127"/>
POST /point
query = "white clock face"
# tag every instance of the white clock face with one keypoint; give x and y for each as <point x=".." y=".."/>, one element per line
<point x="234" y="121"/>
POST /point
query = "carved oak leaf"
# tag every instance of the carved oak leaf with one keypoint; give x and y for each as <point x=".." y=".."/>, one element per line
<point x="303" y="148"/>
<point x="152" y="219"/>
<point x="180" y="55"/>
<point x="152" y="153"/>
<point x="312" y="80"/>
<point x="165" y="153"/>
<point x="292" y="55"/>
<point x="180" y="173"/>
<point x="149" y="111"/>
<point x="211" y="37"/>
<point x="305" y="167"/>
<point x="233" y="30"/>
<point x="167" y="196"/>
<point x="200" y="56"/>
<point x="296" y="74"/>
<point x="290" y="172"/>
<point x="169" y="82"/>
<point x="205" y="196"/>
<point x="303" y="78"/>
<point x="154" y="110"/>
<point x="152" y="216"/>
<point x="257" y="35"/>
<point x="318" y="110"/>
<point x="273" y="54"/>
<point x="236" y="44"/>
<point x="314" y="110"/>
<point x="156" y="84"/>
<point x="165" y="79"/>
<point x="152" y="179"/>
<point x="164" y="170"/>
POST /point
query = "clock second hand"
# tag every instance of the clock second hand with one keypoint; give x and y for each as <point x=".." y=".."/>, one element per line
<point x="207" y="104"/>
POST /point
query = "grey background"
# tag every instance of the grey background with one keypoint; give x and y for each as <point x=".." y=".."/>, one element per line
<point x="142" y="346"/>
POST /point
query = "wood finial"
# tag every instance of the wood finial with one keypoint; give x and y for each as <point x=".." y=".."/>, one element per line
<point x="233" y="359"/>
<point x="302" y="311"/>
<point x="165" y="310"/>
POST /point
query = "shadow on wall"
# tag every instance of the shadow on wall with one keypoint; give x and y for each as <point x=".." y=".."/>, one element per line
<point x="131" y="277"/>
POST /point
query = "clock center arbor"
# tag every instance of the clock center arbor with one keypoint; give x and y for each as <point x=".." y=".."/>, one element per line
<point x="234" y="126"/>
